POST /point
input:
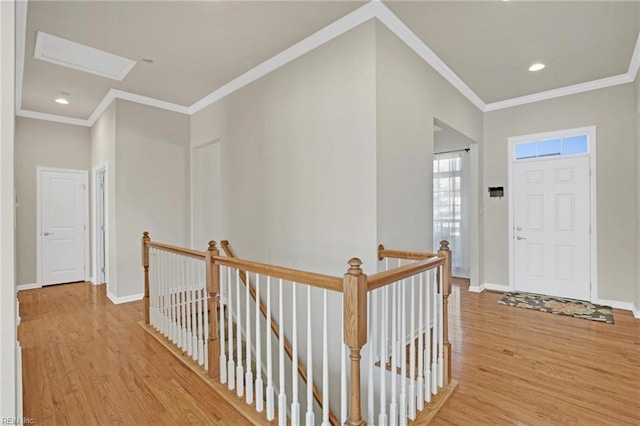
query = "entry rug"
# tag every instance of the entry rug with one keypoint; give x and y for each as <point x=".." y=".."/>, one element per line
<point x="559" y="306"/>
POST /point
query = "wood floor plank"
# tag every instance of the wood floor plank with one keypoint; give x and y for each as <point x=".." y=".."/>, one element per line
<point x="88" y="362"/>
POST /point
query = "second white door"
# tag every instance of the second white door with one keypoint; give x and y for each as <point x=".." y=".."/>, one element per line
<point x="551" y="227"/>
<point x="63" y="219"/>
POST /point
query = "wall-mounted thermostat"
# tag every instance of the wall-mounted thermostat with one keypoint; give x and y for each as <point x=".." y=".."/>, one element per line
<point x="496" y="191"/>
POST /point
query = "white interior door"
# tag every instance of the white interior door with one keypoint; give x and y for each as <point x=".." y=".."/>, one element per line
<point x="100" y="228"/>
<point x="63" y="217"/>
<point x="206" y="194"/>
<point x="551" y="226"/>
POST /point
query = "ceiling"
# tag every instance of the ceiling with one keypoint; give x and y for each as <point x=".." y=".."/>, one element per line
<point x="199" y="47"/>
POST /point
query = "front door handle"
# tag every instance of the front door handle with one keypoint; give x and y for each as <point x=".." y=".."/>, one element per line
<point x="46" y="234"/>
<point x="521" y="238"/>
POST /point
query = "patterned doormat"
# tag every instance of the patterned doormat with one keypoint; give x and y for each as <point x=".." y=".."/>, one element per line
<point x="559" y="306"/>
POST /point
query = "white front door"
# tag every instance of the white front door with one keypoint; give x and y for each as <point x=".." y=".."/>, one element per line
<point x="551" y="225"/>
<point x="63" y="218"/>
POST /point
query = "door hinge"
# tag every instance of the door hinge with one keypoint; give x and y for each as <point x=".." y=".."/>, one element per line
<point x="102" y="270"/>
<point x="84" y="187"/>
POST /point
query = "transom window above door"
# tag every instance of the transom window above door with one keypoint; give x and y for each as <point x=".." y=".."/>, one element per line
<point x="570" y="145"/>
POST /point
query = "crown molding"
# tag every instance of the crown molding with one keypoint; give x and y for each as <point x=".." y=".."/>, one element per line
<point x="21" y="41"/>
<point x="373" y="9"/>
<point x="52" y="117"/>
<point x="395" y="25"/>
<point x="315" y="40"/>
<point x="634" y="63"/>
<point x="563" y="91"/>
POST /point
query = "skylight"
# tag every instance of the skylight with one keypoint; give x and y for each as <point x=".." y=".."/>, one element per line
<point x="74" y="55"/>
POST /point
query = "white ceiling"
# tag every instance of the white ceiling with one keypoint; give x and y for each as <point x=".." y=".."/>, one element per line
<point x="199" y="47"/>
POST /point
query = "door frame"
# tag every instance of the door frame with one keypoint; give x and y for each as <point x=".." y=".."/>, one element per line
<point x="87" y="248"/>
<point x="590" y="131"/>
<point x="94" y="217"/>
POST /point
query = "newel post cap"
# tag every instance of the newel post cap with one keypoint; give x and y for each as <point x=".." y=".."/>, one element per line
<point x="444" y="245"/>
<point x="354" y="266"/>
<point x="212" y="245"/>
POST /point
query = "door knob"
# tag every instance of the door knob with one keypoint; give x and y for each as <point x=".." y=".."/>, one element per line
<point x="518" y="228"/>
<point x="46" y="234"/>
<point x="521" y="238"/>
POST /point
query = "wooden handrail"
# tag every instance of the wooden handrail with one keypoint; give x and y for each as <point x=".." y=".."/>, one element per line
<point x="178" y="250"/>
<point x="400" y="254"/>
<point x="396" y="274"/>
<point x="327" y="282"/>
<point x="276" y="331"/>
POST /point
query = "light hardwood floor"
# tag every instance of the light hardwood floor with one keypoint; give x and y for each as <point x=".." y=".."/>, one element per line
<point x="88" y="362"/>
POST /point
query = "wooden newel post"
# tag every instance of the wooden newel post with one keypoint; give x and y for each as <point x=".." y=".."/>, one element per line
<point x="446" y="291"/>
<point x="213" y="288"/>
<point x="355" y="332"/>
<point x="145" y="265"/>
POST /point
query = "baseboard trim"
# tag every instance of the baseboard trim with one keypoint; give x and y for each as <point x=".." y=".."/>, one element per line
<point x="21" y="287"/>
<point x="476" y="288"/>
<point x="126" y="299"/>
<point x="616" y="304"/>
<point x="489" y="286"/>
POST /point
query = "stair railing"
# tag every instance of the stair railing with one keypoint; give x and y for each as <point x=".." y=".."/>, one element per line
<point x="183" y="299"/>
<point x="317" y="395"/>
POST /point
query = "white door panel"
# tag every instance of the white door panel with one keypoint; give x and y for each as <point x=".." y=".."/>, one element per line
<point x="63" y="201"/>
<point x="551" y="227"/>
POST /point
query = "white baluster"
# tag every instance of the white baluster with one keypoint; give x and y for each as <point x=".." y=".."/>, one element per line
<point x="434" y="335"/>
<point x="194" y="308"/>
<point x="427" y="340"/>
<point x="189" y="307"/>
<point x="152" y="284"/>
<point x="384" y="310"/>
<point x="310" y="418"/>
<point x="174" y="294"/>
<point x="325" y="363"/>
<point x="411" y="410"/>
<point x="163" y="282"/>
<point x="344" y="407"/>
<point x="231" y="365"/>
<point x="182" y="333"/>
<point x="167" y="295"/>
<point x="372" y="348"/>
<point x="259" y="382"/>
<point x="441" y="329"/>
<point x="201" y="310"/>
<point x="239" y="368"/>
<point x="420" y="382"/>
<point x="393" y="407"/>
<point x="403" y="357"/>
<point x="205" y="303"/>
<point x="282" y="396"/>
<point x="267" y="332"/>
<point x="248" y="375"/>
<point x="221" y="327"/>
<point x="295" y="404"/>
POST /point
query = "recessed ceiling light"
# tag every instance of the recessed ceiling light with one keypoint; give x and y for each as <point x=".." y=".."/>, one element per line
<point x="62" y="101"/>
<point x="536" y="67"/>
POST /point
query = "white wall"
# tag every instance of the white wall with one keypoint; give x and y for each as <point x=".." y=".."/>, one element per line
<point x="612" y="111"/>
<point x="152" y="186"/>
<point x="41" y="143"/>
<point x="9" y="371"/>
<point x="410" y="94"/>
<point x="637" y="167"/>
<point x="298" y="165"/>
<point x="103" y="152"/>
